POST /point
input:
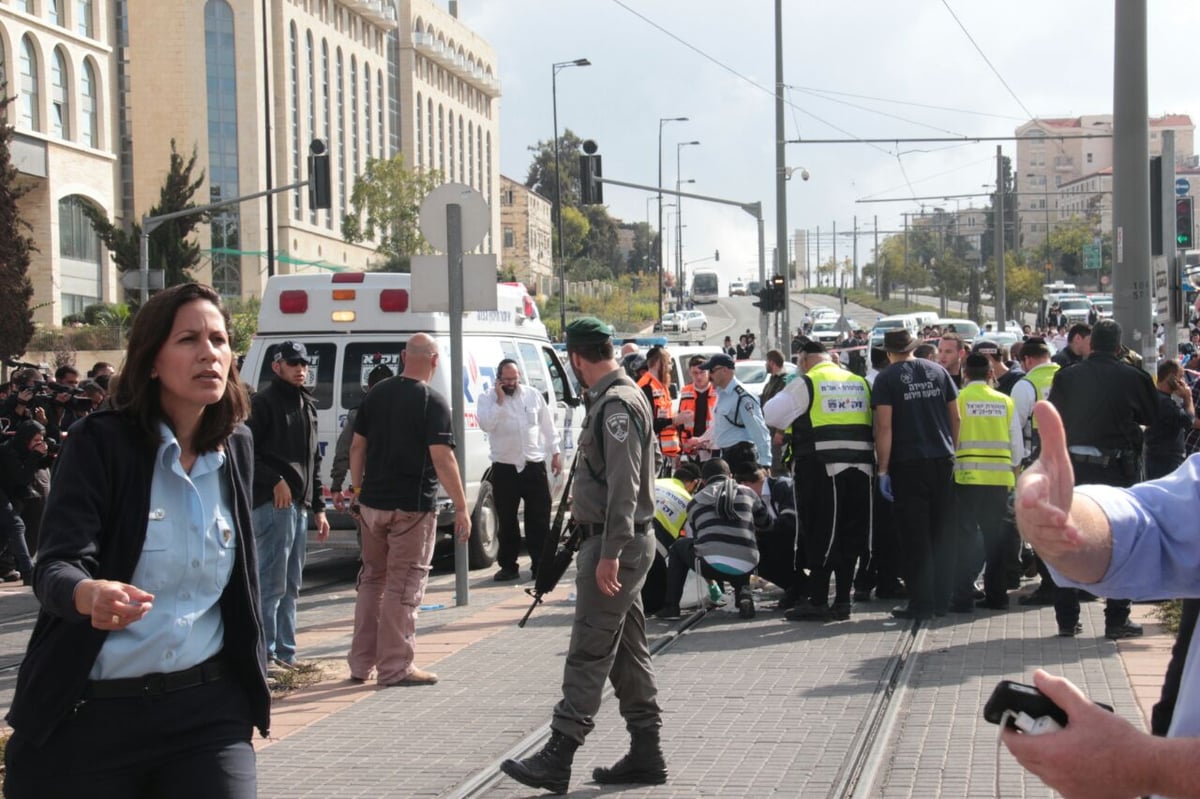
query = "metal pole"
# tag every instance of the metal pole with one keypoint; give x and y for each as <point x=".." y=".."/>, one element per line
<point x="756" y="209"/>
<point x="1170" y="244"/>
<point x="854" y="254"/>
<point x="781" y="237"/>
<point x="562" y="259"/>
<point x="662" y="264"/>
<point x="457" y="402"/>
<point x="878" y="266"/>
<point x="818" y="255"/>
<point x="1132" y="280"/>
<point x="1000" y="301"/>
<point x="144" y="259"/>
<point x="268" y="174"/>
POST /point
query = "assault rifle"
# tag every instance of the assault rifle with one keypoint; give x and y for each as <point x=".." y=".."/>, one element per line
<point x="557" y="550"/>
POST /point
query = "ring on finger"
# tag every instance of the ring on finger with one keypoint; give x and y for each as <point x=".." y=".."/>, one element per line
<point x="116" y="619"/>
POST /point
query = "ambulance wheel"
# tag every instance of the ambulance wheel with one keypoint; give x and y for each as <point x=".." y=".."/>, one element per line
<point x="485" y="541"/>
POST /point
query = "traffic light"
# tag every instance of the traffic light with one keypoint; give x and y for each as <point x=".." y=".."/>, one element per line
<point x="766" y="297"/>
<point x="591" y="191"/>
<point x="319" y="195"/>
<point x="1183" y="223"/>
<point x="779" y="286"/>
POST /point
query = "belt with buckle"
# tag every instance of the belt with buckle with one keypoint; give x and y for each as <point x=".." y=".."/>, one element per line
<point x="156" y="684"/>
<point x="589" y="530"/>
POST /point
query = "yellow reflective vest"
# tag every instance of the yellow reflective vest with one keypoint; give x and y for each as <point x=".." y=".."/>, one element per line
<point x="984" y="454"/>
<point x="837" y="427"/>
<point x="1041" y="376"/>
<point x="670" y="504"/>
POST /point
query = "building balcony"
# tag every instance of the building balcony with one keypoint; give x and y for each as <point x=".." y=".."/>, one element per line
<point x="456" y="63"/>
<point x="378" y="12"/>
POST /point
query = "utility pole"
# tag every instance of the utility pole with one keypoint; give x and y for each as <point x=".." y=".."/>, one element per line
<point x="1000" y="301"/>
<point x="878" y="266"/>
<point x="854" y="251"/>
<point x="781" y="237"/>
<point x="1131" y="183"/>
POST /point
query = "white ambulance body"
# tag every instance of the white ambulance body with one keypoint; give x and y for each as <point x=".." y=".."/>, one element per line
<point x="351" y="322"/>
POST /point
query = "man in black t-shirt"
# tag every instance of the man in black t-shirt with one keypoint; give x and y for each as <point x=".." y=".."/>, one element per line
<point x="403" y="445"/>
<point x="916" y="425"/>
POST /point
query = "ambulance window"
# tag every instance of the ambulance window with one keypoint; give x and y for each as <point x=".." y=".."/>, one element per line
<point x="320" y="372"/>
<point x="532" y="366"/>
<point x="557" y="378"/>
<point x="510" y="350"/>
<point x="364" y="358"/>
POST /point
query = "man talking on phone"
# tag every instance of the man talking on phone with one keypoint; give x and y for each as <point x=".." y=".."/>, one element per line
<point x="1140" y="542"/>
<point x="1176" y="416"/>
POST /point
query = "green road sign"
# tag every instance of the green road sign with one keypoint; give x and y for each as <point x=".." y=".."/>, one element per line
<point x="1091" y="256"/>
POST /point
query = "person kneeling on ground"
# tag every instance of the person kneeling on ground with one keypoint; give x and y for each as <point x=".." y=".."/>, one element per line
<point x="720" y="531"/>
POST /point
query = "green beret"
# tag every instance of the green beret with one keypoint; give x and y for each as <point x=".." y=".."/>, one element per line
<point x="587" y="330"/>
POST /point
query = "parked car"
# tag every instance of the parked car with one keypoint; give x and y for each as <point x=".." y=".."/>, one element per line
<point x="737" y="288"/>
<point x="825" y="330"/>
<point x="990" y="327"/>
<point x="1075" y="310"/>
<point x="752" y="374"/>
<point x="668" y="320"/>
<point x="963" y="327"/>
<point x="684" y="321"/>
<point x="821" y="312"/>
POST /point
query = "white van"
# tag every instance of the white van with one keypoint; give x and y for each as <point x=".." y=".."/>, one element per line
<point x="885" y="324"/>
<point x="352" y="322"/>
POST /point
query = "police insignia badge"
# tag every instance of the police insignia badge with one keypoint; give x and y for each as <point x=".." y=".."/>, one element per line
<point x="618" y="426"/>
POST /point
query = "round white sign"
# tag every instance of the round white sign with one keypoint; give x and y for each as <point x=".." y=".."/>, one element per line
<point x="476" y="215"/>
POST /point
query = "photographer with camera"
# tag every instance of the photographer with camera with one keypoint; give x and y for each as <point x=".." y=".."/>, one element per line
<point x="21" y="458"/>
<point x="25" y="399"/>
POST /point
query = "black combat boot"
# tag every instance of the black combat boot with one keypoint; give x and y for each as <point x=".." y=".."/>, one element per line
<point x="642" y="765"/>
<point x="550" y="768"/>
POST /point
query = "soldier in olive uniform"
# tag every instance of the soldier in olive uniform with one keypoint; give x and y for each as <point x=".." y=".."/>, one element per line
<point x="613" y="504"/>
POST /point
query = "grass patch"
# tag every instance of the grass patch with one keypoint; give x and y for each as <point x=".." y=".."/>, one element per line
<point x="1168" y="613"/>
<point x="303" y="675"/>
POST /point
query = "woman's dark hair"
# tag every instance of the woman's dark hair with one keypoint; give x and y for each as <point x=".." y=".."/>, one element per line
<point x="136" y="393"/>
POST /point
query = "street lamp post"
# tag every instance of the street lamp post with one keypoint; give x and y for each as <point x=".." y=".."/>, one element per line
<point x="661" y="261"/>
<point x="562" y="260"/>
<point x="679" y="216"/>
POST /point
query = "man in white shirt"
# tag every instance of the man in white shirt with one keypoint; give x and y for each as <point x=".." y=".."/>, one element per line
<point x="522" y="435"/>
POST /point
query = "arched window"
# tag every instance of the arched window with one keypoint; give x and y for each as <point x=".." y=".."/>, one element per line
<point x="311" y="56"/>
<point x="30" y="92"/>
<point x="479" y="152"/>
<point x="441" y="147"/>
<point x="89" y="129"/>
<point x="462" y="174"/>
<point x="54" y="11"/>
<point x="367" y="120"/>
<point x="430" y="162"/>
<point x="420" y="131"/>
<point x="450" y="130"/>
<point x="327" y="103"/>
<point x="470" y="154"/>
<point x="355" y="164"/>
<point x="60" y="108"/>
<point x="220" y="67"/>
<point x="294" y="87"/>
<point x="339" y="88"/>
<point x="379" y="113"/>
<point x="84" y="25"/>
<point x="78" y="257"/>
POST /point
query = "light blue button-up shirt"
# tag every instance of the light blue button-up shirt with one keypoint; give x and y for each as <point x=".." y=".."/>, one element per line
<point x="749" y="416"/>
<point x="1156" y="555"/>
<point x="186" y="562"/>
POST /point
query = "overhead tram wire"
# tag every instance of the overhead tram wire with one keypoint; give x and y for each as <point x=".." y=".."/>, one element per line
<point x="883" y="113"/>
<point x="821" y="92"/>
<point x="987" y="61"/>
<point x="731" y="70"/>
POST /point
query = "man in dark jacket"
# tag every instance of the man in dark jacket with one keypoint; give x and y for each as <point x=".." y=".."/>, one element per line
<point x="287" y="462"/>
<point x="20" y="459"/>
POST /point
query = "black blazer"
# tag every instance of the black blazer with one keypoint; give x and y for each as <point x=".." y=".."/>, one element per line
<point x="94" y="528"/>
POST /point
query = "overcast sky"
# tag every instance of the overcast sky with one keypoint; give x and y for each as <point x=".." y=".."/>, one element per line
<point x="858" y="68"/>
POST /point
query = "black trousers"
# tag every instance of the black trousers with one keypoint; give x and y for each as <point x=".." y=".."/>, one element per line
<point x="1164" y="708"/>
<point x="682" y="559"/>
<point x="509" y="488"/>
<point x="654" y="590"/>
<point x="836" y="513"/>
<point x="924" y="516"/>
<point x="1119" y="473"/>
<point x="981" y="542"/>
<point x="188" y="744"/>
<point x="881" y="568"/>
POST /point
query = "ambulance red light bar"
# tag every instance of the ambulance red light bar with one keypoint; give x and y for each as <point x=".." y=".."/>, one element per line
<point x="393" y="300"/>
<point x="349" y="277"/>
<point x="293" y="301"/>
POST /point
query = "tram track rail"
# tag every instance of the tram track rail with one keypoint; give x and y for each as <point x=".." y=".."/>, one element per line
<point x="863" y="761"/>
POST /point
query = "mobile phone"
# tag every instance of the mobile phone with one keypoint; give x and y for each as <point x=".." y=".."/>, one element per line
<point x="1021" y="698"/>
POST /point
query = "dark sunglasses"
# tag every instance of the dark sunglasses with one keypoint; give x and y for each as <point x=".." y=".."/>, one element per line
<point x="297" y="362"/>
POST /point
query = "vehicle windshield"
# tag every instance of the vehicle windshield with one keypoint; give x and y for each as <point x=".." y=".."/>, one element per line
<point x="889" y="324"/>
<point x="824" y="324"/>
<point x="751" y="372"/>
<point x="1074" y="305"/>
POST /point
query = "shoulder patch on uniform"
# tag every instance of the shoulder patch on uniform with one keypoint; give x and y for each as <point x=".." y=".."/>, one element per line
<point x="617" y="426"/>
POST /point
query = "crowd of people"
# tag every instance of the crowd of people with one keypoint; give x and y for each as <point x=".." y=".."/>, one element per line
<point x="922" y="470"/>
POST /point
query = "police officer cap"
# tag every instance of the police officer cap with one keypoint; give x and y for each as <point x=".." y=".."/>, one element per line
<point x="813" y="348"/>
<point x="717" y="360"/>
<point x="587" y="330"/>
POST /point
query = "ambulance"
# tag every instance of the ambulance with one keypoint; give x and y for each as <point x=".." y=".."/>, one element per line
<point x="353" y="322"/>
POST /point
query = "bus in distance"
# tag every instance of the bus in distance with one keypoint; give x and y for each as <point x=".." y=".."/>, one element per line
<point x="704" y="286"/>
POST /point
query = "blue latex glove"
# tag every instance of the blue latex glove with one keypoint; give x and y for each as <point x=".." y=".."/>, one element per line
<point x="885" y="487"/>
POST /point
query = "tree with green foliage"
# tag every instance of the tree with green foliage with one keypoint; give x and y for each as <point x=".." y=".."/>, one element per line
<point x="542" y="172"/>
<point x="170" y="249"/>
<point x="16" y="315"/>
<point x="988" y="240"/>
<point x="386" y="207"/>
<point x="575" y="228"/>
<point x="645" y="248"/>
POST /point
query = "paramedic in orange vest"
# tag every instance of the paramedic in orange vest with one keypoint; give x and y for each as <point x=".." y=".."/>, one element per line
<point x="697" y="402"/>
<point x="656" y="383"/>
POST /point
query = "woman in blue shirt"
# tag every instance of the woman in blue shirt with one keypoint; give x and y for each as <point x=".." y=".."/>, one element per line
<point x="145" y="673"/>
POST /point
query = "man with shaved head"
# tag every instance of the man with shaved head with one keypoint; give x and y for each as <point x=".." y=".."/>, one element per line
<point x="403" y="445"/>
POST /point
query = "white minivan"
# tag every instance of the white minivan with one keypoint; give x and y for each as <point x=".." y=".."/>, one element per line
<point x="353" y="322"/>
